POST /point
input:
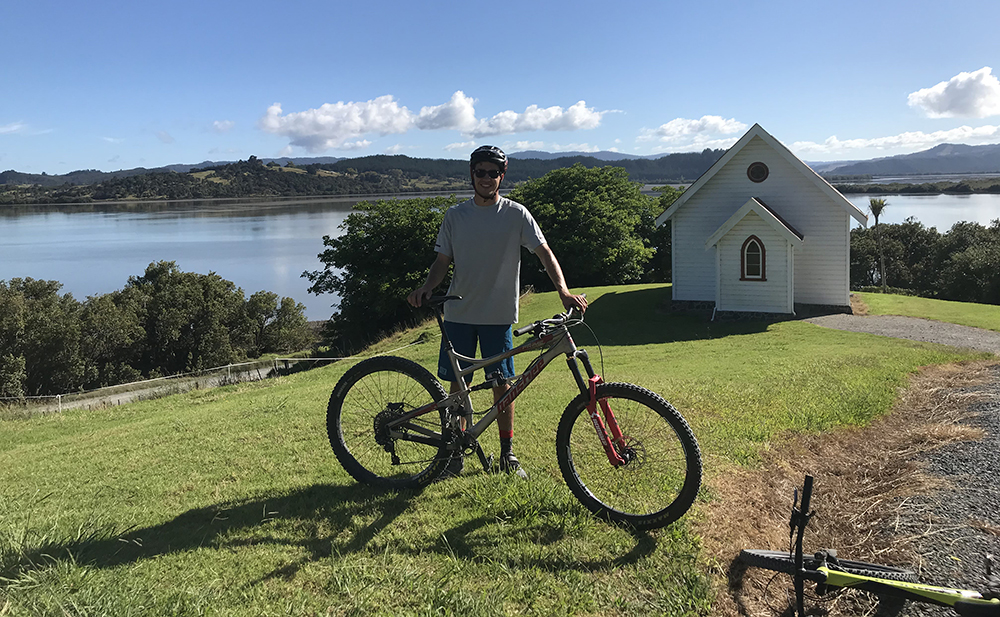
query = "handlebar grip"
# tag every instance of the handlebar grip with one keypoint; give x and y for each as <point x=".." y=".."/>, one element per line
<point x="525" y="329"/>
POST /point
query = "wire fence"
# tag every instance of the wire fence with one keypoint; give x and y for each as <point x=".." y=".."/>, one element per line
<point x="162" y="386"/>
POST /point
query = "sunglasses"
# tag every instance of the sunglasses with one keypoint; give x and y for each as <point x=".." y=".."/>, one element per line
<point x="482" y="173"/>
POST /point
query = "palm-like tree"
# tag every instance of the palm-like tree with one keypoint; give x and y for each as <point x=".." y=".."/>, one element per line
<point x="877" y="205"/>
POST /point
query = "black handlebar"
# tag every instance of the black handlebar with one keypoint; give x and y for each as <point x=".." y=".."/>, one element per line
<point x="554" y="322"/>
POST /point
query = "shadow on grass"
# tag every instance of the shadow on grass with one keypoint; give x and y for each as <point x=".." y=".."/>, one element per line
<point x="465" y="542"/>
<point x="320" y="520"/>
<point x="231" y="525"/>
<point x="641" y="317"/>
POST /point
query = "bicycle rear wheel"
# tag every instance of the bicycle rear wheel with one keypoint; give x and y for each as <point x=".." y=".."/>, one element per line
<point x="370" y="395"/>
<point x="781" y="561"/>
<point x="661" y="477"/>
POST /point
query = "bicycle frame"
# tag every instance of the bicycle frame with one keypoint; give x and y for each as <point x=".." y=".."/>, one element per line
<point x="554" y="341"/>
<point x="964" y="601"/>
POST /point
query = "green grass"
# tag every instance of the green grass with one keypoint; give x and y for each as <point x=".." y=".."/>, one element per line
<point x="230" y="502"/>
<point x="985" y="316"/>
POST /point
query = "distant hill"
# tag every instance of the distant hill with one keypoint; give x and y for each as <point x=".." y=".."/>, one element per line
<point x="943" y="159"/>
<point x="657" y="169"/>
<point x="94" y="176"/>
<point x="603" y="155"/>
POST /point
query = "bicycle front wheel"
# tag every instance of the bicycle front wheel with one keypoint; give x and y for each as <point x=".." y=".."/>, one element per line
<point x="369" y="397"/>
<point x="662" y="473"/>
<point x="784" y="562"/>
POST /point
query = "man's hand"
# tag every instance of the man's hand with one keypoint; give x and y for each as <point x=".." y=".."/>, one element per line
<point x="417" y="296"/>
<point x="439" y="269"/>
<point x="573" y="301"/>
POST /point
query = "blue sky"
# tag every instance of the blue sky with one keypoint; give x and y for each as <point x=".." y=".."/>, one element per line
<point x="102" y="85"/>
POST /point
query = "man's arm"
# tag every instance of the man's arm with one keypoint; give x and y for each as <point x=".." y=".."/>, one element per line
<point x="439" y="270"/>
<point x="555" y="273"/>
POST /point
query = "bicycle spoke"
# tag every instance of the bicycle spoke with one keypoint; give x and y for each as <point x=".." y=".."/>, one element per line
<point x="662" y="469"/>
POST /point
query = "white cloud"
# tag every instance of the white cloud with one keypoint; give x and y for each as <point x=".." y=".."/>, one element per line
<point x="520" y="146"/>
<point x="461" y="145"/>
<point x="574" y="148"/>
<point x="536" y="118"/>
<point x="361" y="144"/>
<point x="223" y="126"/>
<point x="113" y="140"/>
<point x="696" y="145"/>
<point x="344" y="125"/>
<point x="966" y="95"/>
<point x="395" y="149"/>
<point x="458" y="113"/>
<point x="14" y="127"/>
<point x="911" y="141"/>
<point x="703" y="130"/>
<point x="165" y="137"/>
<point x="526" y="145"/>
<point x="333" y="125"/>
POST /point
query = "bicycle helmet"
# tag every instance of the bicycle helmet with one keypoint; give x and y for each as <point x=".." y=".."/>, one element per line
<point x="489" y="154"/>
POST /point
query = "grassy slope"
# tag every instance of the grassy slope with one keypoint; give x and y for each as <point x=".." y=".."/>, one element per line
<point x="229" y="502"/>
<point x="985" y="316"/>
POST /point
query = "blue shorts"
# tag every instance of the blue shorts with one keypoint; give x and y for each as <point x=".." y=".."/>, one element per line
<point x="492" y="340"/>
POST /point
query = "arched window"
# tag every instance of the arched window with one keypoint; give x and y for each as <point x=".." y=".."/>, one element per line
<point x="752" y="260"/>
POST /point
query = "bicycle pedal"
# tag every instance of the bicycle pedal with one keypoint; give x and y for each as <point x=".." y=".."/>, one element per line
<point x="488" y="466"/>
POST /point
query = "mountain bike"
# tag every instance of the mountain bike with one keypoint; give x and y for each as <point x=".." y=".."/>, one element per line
<point x="626" y="454"/>
<point x="831" y="573"/>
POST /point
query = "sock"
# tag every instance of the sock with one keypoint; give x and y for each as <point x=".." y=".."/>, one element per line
<point x="506" y="437"/>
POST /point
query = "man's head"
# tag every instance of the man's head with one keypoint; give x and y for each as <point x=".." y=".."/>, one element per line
<point x="487" y="166"/>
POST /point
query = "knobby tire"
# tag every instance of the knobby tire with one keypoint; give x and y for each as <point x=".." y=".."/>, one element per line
<point x="386" y="385"/>
<point x="661" y="481"/>
<point x="784" y="562"/>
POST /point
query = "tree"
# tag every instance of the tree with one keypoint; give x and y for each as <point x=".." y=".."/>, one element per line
<point x="12" y="368"/>
<point x="877" y="205"/>
<point x="909" y="250"/>
<point x="192" y="321"/>
<point x="49" y="341"/>
<point x="659" y="267"/>
<point x="593" y="219"/>
<point x="276" y="326"/>
<point x="112" y="338"/>
<point x="969" y="267"/>
<point x="381" y="257"/>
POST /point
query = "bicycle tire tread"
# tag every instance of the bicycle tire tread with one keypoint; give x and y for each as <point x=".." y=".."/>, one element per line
<point x="351" y="465"/>
<point x="784" y="562"/>
<point x="686" y="439"/>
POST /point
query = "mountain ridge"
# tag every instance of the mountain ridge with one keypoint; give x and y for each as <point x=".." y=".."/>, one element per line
<point x="944" y="158"/>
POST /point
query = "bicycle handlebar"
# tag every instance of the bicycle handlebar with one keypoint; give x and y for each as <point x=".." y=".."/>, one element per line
<point x="554" y="322"/>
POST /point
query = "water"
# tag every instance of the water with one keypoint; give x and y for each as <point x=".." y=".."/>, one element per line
<point x="261" y="245"/>
<point x="940" y="211"/>
<point x="258" y="246"/>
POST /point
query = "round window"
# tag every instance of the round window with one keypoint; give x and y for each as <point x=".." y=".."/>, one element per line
<point x="757" y="172"/>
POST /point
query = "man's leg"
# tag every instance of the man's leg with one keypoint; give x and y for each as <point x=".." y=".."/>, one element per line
<point x="495" y="340"/>
<point x="463" y="338"/>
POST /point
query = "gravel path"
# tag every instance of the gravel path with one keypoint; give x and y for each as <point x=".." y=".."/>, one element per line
<point x="959" y="525"/>
<point x="956" y="527"/>
<point x="915" y="329"/>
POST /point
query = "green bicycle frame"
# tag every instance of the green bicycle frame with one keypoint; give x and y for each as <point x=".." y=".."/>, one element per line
<point x="942" y="596"/>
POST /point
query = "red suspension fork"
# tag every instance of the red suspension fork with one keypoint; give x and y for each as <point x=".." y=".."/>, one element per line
<point x="599" y="424"/>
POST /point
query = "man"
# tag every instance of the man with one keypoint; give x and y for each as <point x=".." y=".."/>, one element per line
<point x="483" y="237"/>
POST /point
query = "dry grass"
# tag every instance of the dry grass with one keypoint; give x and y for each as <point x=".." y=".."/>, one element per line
<point x="863" y="479"/>
<point x="858" y="306"/>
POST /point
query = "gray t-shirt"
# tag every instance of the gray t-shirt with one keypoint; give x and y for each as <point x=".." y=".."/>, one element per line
<point x="485" y="243"/>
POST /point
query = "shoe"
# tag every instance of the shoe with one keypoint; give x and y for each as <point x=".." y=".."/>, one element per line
<point x="509" y="464"/>
<point x="455" y="466"/>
